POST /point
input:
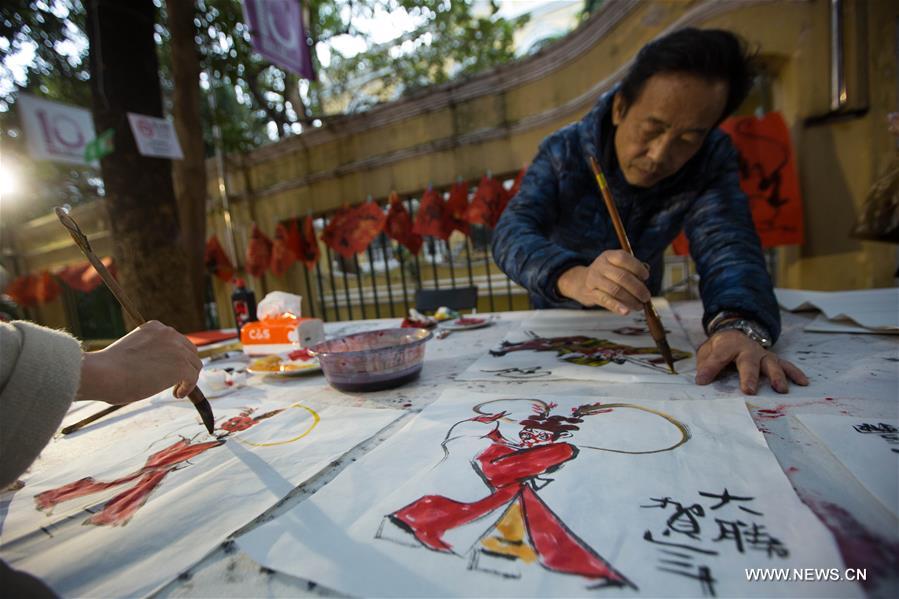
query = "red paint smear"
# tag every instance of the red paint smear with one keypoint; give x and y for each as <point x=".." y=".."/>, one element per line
<point x="779" y="411"/>
<point x="162" y="462"/>
<point x="792" y="470"/>
<point x="177" y="452"/>
<point x="73" y="490"/>
<point x="771" y="414"/>
<point x="119" y="510"/>
<point x="860" y="547"/>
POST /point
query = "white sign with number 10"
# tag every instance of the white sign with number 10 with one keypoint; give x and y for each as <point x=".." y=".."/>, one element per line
<point x="56" y="131"/>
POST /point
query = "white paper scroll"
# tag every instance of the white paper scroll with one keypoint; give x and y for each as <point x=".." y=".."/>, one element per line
<point x="868" y="447"/>
<point x="475" y="497"/>
<point x="876" y="309"/>
<point x="172" y="492"/>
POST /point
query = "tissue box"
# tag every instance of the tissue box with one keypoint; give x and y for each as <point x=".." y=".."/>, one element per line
<point x="279" y="335"/>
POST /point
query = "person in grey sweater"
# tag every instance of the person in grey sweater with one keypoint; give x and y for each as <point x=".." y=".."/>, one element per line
<point x="42" y="371"/>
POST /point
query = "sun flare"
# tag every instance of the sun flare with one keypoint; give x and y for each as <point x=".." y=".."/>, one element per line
<point x="9" y="181"/>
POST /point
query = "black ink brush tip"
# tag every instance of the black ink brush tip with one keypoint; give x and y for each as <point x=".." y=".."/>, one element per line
<point x="202" y="405"/>
<point x="205" y="411"/>
<point x="666" y="353"/>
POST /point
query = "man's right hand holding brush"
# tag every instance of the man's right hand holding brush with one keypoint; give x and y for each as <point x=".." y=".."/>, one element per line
<point x="616" y="281"/>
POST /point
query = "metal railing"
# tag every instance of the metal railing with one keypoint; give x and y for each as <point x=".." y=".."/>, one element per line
<point x="381" y="281"/>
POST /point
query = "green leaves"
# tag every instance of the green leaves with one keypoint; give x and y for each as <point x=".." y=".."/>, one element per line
<point x="451" y="41"/>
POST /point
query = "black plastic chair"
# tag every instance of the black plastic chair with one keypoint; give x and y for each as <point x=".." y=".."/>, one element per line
<point x="460" y="298"/>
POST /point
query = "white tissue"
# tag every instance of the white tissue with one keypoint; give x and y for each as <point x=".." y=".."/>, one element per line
<point x="277" y="303"/>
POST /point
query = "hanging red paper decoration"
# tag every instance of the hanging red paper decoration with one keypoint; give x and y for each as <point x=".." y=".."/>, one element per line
<point x="294" y="238"/>
<point x="399" y="225"/>
<point x="259" y="253"/>
<point x="216" y="260"/>
<point x="431" y="218"/>
<point x="283" y="256"/>
<point x="457" y="206"/>
<point x="23" y="290"/>
<point x="82" y="276"/>
<point x="91" y="279"/>
<point x="46" y="288"/>
<point x="309" y="251"/>
<point x="488" y="203"/>
<point x="352" y="230"/>
<point x="72" y="275"/>
<point x="768" y="176"/>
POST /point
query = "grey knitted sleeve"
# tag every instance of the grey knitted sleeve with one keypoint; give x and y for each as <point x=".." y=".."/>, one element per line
<point x="39" y="374"/>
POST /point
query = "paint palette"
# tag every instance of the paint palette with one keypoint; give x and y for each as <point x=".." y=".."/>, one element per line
<point x="223" y="375"/>
<point x="466" y="323"/>
<point x="295" y="368"/>
<point x="278" y="365"/>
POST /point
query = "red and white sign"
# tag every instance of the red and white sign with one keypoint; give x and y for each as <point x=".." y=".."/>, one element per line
<point x="55" y="131"/>
<point x="155" y="136"/>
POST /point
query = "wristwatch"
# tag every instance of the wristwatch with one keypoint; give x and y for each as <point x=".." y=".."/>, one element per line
<point x="751" y="329"/>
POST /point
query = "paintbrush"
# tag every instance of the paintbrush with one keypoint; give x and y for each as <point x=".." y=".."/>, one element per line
<point x="652" y="317"/>
<point x="196" y="396"/>
<point x="84" y="422"/>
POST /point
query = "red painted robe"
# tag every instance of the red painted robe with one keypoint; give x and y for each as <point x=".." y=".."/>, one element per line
<point x="509" y="472"/>
<point x="119" y="510"/>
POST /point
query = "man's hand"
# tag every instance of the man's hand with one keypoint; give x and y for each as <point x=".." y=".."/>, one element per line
<point x="729" y="346"/>
<point x="614" y="281"/>
<point x="147" y="360"/>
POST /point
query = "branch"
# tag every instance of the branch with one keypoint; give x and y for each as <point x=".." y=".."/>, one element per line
<point x="270" y="112"/>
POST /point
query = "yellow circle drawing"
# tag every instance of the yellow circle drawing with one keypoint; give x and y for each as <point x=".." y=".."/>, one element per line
<point x="315" y="420"/>
<point x="680" y="426"/>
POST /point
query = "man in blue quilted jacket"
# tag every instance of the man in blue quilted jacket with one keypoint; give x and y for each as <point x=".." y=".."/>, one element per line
<point x="655" y="136"/>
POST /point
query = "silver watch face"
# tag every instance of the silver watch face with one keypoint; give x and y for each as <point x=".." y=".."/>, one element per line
<point x="754" y="334"/>
<point x="747" y="328"/>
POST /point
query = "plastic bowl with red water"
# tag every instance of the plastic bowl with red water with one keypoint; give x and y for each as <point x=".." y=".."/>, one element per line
<point x="374" y="360"/>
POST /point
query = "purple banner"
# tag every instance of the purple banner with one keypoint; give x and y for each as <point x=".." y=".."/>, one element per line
<point x="277" y="32"/>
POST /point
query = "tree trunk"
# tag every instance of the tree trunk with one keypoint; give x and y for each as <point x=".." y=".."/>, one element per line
<point x="150" y="258"/>
<point x="189" y="174"/>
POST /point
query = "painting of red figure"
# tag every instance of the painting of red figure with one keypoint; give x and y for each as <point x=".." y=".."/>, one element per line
<point x="518" y="524"/>
<point x="590" y="351"/>
<point x="119" y="510"/>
